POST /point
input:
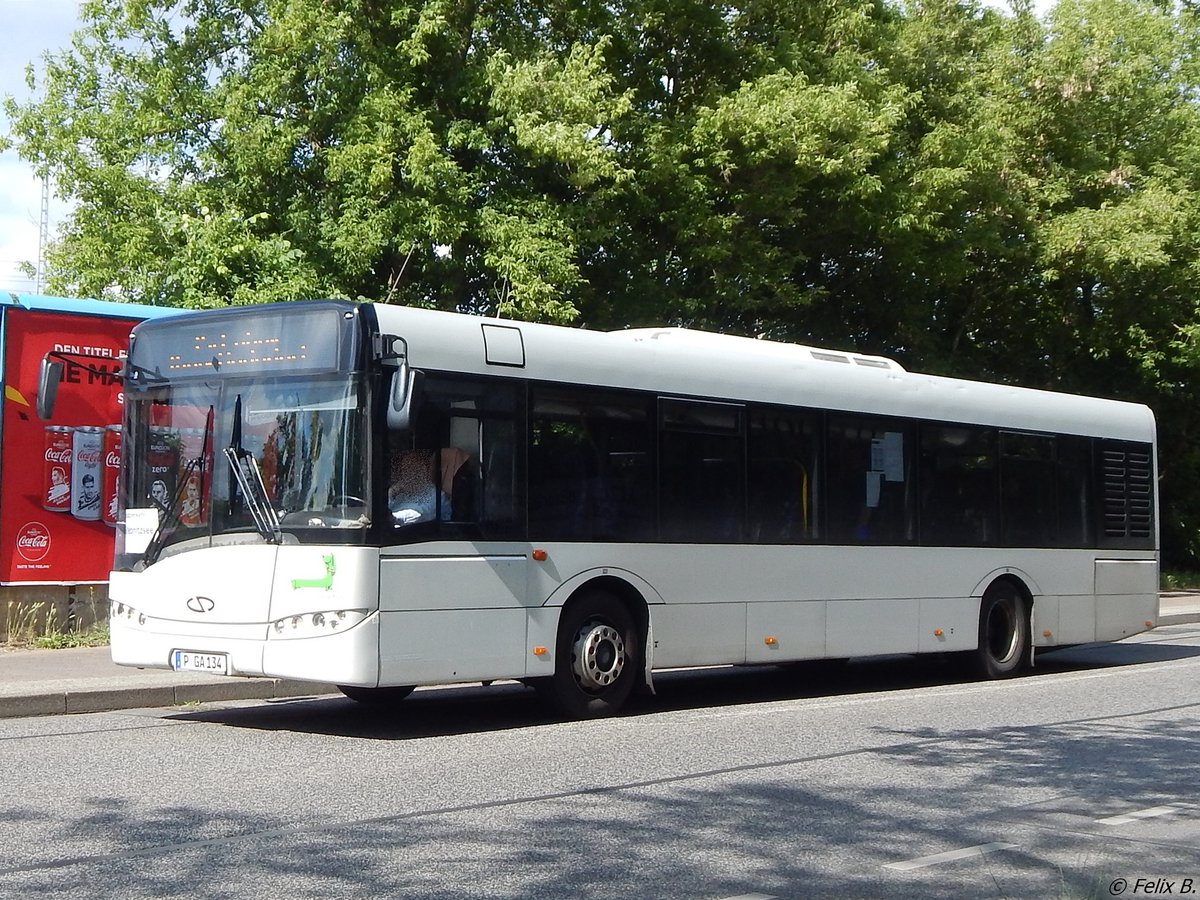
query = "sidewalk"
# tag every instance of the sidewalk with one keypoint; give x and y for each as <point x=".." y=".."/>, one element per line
<point x="85" y="679"/>
<point x="1178" y="608"/>
<point x="53" y="682"/>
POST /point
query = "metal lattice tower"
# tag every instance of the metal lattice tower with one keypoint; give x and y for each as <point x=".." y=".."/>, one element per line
<point x="43" y="234"/>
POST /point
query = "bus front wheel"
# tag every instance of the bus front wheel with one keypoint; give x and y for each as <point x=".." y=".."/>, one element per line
<point x="1004" y="637"/>
<point x="597" y="657"/>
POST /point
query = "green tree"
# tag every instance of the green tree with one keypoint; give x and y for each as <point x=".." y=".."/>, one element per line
<point x="1115" y="156"/>
<point x="227" y="152"/>
<point x="599" y="162"/>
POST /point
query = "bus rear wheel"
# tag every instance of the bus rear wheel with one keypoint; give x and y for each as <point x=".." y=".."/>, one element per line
<point x="1004" y="638"/>
<point x="597" y="657"/>
<point x="377" y="697"/>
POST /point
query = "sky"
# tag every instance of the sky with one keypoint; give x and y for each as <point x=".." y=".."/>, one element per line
<point x="29" y="29"/>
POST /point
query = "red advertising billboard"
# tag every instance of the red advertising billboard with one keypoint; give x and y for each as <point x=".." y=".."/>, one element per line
<point x="54" y="520"/>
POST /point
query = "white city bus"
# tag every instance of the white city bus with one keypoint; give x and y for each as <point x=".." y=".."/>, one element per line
<point x="380" y="497"/>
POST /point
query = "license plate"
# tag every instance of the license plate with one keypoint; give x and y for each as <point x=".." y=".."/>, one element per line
<point x="191" y="661"/>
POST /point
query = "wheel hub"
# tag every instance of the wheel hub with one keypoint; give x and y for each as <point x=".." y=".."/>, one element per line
<point x="599" y="655"/>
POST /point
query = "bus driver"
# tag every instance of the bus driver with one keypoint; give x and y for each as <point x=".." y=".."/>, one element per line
<point x="421" y="483"/>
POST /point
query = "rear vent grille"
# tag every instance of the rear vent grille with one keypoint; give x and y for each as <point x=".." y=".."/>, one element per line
<point x="830" y="357"/>
<point x="870" y="362"/>
<point x="1127" y="487"/>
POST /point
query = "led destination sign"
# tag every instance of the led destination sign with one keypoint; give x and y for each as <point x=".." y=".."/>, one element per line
<point x="283" y="340"/>
<point x="222" y="351"/>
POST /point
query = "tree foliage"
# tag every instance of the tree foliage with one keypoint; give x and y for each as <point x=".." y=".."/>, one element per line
<point x="979" y="193"/>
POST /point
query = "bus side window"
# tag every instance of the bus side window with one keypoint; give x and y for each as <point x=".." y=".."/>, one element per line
<point x="1074" y="498"/>
<point x="590" y="450"/>
<point x="783" y="473"/>
<point x="1028" y="514"/>
<point x="472" y="426"/>
<point x="958" y="485"/>
<point x="869" y="466"/>
<point x="701" y="471"/>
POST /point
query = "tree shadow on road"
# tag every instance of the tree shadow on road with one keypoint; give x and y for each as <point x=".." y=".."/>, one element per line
<point x="796" y="816"/>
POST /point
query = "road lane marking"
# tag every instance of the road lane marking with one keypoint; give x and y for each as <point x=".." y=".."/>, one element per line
<point x="949" y="856"/>
<point x="1152" y="813"/>
<point x="752" y="897"/>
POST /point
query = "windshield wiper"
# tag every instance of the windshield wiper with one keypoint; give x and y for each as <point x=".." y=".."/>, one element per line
<point x="250" y="481"/>
<point x="168" y="513"/>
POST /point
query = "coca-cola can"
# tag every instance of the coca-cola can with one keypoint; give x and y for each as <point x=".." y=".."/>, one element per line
<point x="56" y="482"/>
<point x="86" y="463"/>
<point x="164" y="466"/>
<point x="110" y="482"/>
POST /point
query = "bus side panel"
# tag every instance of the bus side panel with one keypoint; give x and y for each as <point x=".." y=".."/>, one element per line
<point x="873" y="627"/>
<point x="451" y="645"/>
<point x="1076" y="619"/>
<point x="956" y="618"/>
<point x="494" y="581"/>
<point x="1126" y="597"/>
<point x="699" y="634"/>
<point x="1045" y="619"/>
<point x="784" y="631"/>
<point x="449" y="615"/>
<point x="1121" y="615"/>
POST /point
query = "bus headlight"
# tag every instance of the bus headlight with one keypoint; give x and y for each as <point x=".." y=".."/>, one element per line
<point x="316" y="624"/>
<point x="123" y="612"/>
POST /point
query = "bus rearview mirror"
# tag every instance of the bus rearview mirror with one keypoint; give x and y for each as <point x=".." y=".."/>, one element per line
<point x="49" y="376"/>
<point x="406" y="382"/>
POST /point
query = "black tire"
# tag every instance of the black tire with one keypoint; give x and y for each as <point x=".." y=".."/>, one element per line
<point x="598" y="657"/>
<point x="1004" y="638"/>
<point x="378" y="697"/>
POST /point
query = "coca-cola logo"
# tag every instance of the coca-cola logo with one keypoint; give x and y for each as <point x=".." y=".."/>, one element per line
<point x="58" y="456"/>
<point x="88" y="456"/>
<point x="33" y="541"/>
<point x="112" y="460"/>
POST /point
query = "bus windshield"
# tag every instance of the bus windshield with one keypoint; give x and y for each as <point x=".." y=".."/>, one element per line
<point x="300" y="443"/>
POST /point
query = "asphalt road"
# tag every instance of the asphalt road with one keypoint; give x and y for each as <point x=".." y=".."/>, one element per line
<point x="885" y="778"/>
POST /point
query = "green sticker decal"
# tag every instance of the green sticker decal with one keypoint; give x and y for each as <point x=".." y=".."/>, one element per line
<point x="326" y="582"/>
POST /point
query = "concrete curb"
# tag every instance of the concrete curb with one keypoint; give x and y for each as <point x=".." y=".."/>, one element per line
<point x="1178" y="608"/>
<point x="108" y="698"/>
<point x="1183" y="618"/>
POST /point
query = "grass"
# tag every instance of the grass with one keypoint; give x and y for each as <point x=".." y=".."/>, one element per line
<point x="95" y="636"/>
<point x="43" y="625"/>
